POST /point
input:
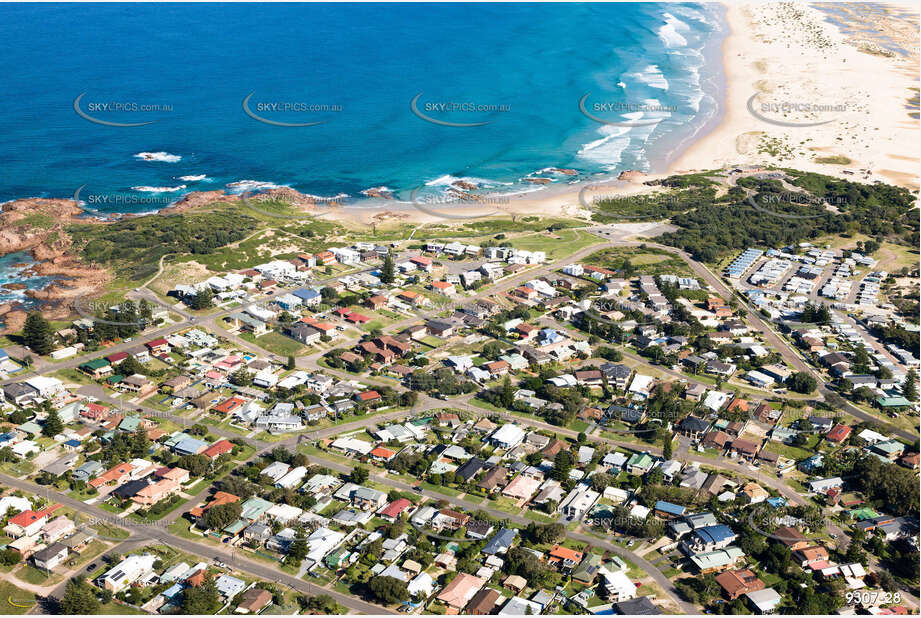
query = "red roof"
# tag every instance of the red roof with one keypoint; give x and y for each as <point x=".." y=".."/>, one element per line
<point x="368" y="396"/>
<point x="218" y="448"/>
<point x="156" y="343"/>
<point x="29" y="516"/>
<point x="383" y="453"/>
<point x="343" y="311"/>
<point x="838" y="433"/>
<point x="396" y="507"/>
<point x="357" y="318"/>
<point x="229" y="405"/>
<point x="114" y="358"/>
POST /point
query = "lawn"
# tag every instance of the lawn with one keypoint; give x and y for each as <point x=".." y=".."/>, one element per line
<point x="539" y="517"/>
<point x="440" y="489"/>
<point x="18" y="468"/>
<point x="568" y="242"/>
<point x="114" y="608"/>
<point x="276" y="343"/>
<point x="645" y="261"/>
<point x="14" y="600"/>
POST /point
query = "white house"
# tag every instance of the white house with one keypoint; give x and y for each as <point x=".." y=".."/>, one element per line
<point x="292" y="478"/>
<point x="575" y="270"/>
<point x="128" y="571"/>
<point x="276" y="470"/>
<point x="507" y="437"/>
<point x="578" y="502"/>
<point x="422" y="585"/>
<point x="46" y="387"/>
<point x="617" y="585"/>
<point x="641" y="385"/>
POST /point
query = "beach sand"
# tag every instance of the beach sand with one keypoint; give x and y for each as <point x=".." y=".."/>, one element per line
<point x="790" y="56"/>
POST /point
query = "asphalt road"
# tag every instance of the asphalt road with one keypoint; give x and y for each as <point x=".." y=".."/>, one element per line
<point x="159" y="533"/>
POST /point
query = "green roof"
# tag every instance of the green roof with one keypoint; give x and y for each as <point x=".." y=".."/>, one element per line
<point x="175" y="439"/>
<point x="236" y="527"/>
<point x="130" y="423"/>
<point x="862" y="513"/>
<point x="115" y="379"/>
<point x="254" y="508"/>
<point x="96" y="363"/>
<point x="30" y="427"/>
<point x="640" y="459"/>
<point x="889" y="447"/>
<point x="893" y="402"/>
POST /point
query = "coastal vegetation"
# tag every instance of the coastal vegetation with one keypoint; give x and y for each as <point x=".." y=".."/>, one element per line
<point x="133" y="247"/>
<point x="761" y="212"/>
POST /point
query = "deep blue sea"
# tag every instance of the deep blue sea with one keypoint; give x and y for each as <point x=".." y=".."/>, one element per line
<point x="354" y="68"/>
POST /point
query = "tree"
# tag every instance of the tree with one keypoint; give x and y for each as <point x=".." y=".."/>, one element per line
<point x="241" y="377"/>
<point x="667" y="446"/>
<point x="204" y="599"/>
<point x="388" y="269"/>
<point x="131" y="366"/>
<point x="140" y="443"/>
<point x="202" y="300"/>
<point x="359" y="475"/>
<point x="79" y="598"/>
<point x="9" y="557"/>
<point x="290" y="364"/>
<point x="909" y="388"/>
<point x="550" y="533"/>
<point x="220" y="516"/>
<point x="507" y="392"/>
<point x="197" y="465"/>
<point x="299" y="548"/>
<point x="38" y="334"/>
<point x="388" y="590"/>
<point x="802" y="382"/>
<point x="322" y="604"/>
<point x="53" y="424"/>
<point x="562" y="465"/>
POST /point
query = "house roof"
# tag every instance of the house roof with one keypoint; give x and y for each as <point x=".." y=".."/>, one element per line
<point x="564" y="553"/>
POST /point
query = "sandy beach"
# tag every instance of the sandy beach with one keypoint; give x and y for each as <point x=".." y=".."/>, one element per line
<point x="859" y="92"/>
<point x="790" y="56"/>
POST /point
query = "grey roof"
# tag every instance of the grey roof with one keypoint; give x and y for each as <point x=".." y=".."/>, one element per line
<point x="500" y="542"/>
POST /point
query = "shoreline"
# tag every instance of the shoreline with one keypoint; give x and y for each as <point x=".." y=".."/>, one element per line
<point x="758" y="42"/>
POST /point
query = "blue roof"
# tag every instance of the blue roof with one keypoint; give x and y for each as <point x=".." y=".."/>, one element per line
<point x="668" y="507"/>
<point x="715" y="534"/>
<point x="189" y="445"/>
<point x="73" y="443"/>
<point x="172" y="591"/>
<point x="501" y="541"/>
<point x="306" y="293"/>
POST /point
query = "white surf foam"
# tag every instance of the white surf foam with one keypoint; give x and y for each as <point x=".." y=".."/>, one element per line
<point x="160" y="156"/>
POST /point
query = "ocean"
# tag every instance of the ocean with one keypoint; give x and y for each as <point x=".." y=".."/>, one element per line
<point x="336" y="99"/>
